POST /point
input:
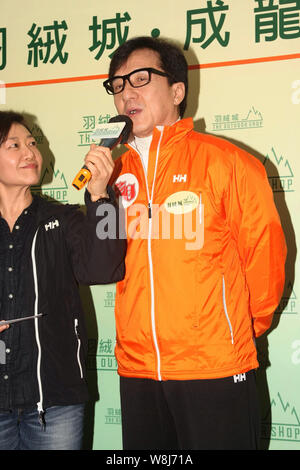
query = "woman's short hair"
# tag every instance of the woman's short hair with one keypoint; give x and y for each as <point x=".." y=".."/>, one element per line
<point x="7" y="119"/>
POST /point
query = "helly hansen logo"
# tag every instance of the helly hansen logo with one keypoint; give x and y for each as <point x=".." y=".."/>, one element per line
<point x="239" y="378"/>
<point x="179" y="178"/>
<point x="52" y="225"/>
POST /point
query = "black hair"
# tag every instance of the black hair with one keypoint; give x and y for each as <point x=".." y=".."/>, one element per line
<point x="172" y="60"/>
<point x="7" y="119"/>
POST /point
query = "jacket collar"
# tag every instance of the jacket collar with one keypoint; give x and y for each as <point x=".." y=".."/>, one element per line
<point x="171" y="134"/>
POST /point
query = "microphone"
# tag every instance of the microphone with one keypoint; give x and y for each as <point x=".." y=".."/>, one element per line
<point x="117" y="135"/>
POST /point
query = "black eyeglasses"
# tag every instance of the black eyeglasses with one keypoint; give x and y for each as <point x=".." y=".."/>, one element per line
<point x="137" y="79"/>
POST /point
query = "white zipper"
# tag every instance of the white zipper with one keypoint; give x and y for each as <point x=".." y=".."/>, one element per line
<point x="226" y="312"/>
<point x="36" y="328"/>
<point x="200" y="209"/>
<point x="78" y="347"/>
<point x="150" y="254"/>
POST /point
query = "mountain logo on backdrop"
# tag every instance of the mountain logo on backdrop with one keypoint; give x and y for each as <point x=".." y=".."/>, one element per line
<point x="288" y="302"/>
<point x="253" y="119"/>
<point x="53" y="185"/>
<point x="282" y="421"/>
<point x="279" y="171"/>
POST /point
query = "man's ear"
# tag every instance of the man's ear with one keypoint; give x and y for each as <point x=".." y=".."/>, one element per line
<point x="178" y="92"/>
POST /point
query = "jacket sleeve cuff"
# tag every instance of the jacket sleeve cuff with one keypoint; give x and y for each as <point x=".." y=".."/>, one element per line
<point x="94" y="204"/>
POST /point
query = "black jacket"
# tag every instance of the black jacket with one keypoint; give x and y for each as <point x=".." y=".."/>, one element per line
<point x="65" y="251"/>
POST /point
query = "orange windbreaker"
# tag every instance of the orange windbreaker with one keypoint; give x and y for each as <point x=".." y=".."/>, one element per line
<point x="205" y="258"/>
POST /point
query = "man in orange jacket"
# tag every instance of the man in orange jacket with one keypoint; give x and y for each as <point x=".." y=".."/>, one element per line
<point x="204" y="265"/>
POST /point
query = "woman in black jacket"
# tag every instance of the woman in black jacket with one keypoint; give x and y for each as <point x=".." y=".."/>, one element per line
<point x="46" y="250"/>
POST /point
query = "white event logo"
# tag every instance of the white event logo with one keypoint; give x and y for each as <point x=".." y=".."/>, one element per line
<point x="181" y="202"/>
<point x="109" y="130"/>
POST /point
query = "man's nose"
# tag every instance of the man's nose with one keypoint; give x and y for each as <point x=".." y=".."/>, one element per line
<point x="128" y="90"/>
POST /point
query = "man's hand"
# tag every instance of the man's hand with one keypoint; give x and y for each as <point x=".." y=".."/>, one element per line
<point x="100" y="163"/>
